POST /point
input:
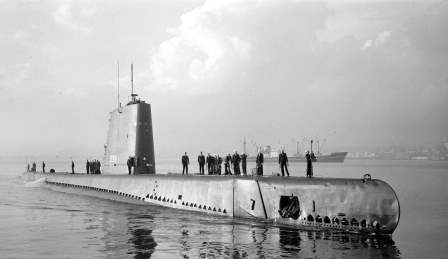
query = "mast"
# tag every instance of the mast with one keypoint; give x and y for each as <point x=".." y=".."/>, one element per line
<point x="244" y="143"/>
<point x="133" y="96"/>
<point x="132" y="79"/>
<point x="118" y="83"/>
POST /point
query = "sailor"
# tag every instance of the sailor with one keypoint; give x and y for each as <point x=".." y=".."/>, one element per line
<point x="43" y="166"/>
<point x="129" y="163"/>
<point x="95" y="166"/>
<point x="209" y="163"/>
<point x="73" y="167"/>
<point x="227" y="161"/>
<point x="259" y="162"/>
<point x="212" y="165"/>
<point x="99" y="166"/>
<point x="91" y="167"/>
<point x="87" y="167"/>
<point x="283" y="162"/>
<point x="243" y="163"/>
<point x="201" y="161"/>
<point x="33" y="168"/>
<point x="236" y="163"/>
<point x="185" y="162"/>
<point x="309" y="164"/>
<point x="219" y="160"/>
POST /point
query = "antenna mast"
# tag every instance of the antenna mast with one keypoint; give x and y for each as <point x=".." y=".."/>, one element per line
<point x="118" y="83"/>
<point x="133" y="96"/>
<point x="244" y="143"/>
<point x="132" y="79"/>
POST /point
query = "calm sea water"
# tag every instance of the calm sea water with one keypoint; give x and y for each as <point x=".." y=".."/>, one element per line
<point x="36" y="222"/>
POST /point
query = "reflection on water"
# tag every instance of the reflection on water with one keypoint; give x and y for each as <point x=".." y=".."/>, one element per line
<point x="317" y="243"/>
<point x="143" y="242"/>
<point x="140" y="235"/>
<point x="246" y="241"/>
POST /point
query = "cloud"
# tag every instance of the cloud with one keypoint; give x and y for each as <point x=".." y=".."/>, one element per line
<point x="66" y="15"/>
<point x="199" y="48"/>
<point x="381" y="39"/>
<point x="223" y="39"/>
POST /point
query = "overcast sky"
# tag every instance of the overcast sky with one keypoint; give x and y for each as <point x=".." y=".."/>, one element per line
<point x="356" y="73"/>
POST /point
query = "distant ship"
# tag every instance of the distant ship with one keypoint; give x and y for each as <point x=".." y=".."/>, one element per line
<point x="272" y="157"/>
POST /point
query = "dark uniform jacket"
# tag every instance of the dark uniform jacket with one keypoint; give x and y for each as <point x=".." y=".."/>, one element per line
<point x="201" y="159"/>
<point x="243" y="159"/>
<point x="209" y="159"/>
<point x="283" y="159"/>
<point x="185" y="160"/>
<point x="308" y="159"/>
<point x="236" y="159"/>
<point x="260" y="158"/>
<point x="228" y="159"/>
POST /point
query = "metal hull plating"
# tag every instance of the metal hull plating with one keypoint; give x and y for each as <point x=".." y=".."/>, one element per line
<point x="350" y="205"/>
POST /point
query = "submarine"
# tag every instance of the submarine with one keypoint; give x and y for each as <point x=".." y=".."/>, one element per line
<point x="365" y="205"/>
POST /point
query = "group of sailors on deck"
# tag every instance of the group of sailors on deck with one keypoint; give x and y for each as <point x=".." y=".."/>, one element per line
<point x="32" y="168"/>
<point x="93" y="167"/>
<point x="214" y="163"/>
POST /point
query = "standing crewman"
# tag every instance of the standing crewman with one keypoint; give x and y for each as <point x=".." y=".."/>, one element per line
<point x="283" y="162"/>
<point x="243" y="163"/>
<point x="212" y="165"/>
<point x="87" y="167"/>
<point x="209" y="163"/>
<point x="259" y="162"/>
<point x="73" y="167"/>
<point x="219" y="160"/>
<point x="227" y="161"/>
<point x="43" y="167"/>
<point x="99" y="166"/>
<point x="309" y="164"/>
<point x="129" y="163"/>
<point x="185" y="162"/>
<point x="201" y="161"/>
<point x="236" y="163"/>
<point x="91" y="167"/>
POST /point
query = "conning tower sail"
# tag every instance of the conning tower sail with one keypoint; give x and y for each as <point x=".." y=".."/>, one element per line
<point x="130" y="135"/>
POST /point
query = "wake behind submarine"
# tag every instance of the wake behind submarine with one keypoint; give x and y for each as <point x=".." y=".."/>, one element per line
<point x="367" y="206"/>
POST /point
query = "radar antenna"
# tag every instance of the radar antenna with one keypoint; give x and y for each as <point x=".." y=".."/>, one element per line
<point x="118" y="83"/>
<point x="133" y="96"/>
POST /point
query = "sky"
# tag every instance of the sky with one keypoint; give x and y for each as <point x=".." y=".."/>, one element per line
<point x="359" y="73"/>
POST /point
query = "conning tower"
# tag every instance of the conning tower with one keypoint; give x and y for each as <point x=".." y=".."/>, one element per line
<point x="130" y="135"/>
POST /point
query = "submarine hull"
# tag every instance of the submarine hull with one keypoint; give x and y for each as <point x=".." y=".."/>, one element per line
<point x="348" y="205"/>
